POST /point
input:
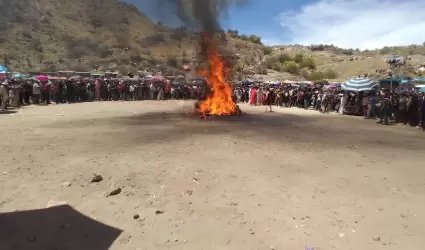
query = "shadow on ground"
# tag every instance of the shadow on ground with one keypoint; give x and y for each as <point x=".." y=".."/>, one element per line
<point x="59" y="227"/>
<point x="8" y="112"/>
<point x="313" y="131"/>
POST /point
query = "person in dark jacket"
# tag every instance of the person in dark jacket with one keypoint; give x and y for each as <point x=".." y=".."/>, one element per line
<point x="422" y="112"/>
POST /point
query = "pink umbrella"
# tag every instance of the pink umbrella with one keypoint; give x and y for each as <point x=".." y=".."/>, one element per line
<point x="42" y="78"/>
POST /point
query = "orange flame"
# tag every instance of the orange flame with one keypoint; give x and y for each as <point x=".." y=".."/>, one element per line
<point x="220" y="101"/>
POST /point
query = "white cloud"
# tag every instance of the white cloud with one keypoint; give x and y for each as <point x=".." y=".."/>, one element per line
<point x="364" y="24"/>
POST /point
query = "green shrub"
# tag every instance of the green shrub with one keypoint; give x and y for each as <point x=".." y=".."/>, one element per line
<point x="267" y="50"/>
<point x="308" y="63"/>
<point x="282" y="58"/>
<point x="385" y="50"/>
<point x="255" y="39"/>
<point x="298" y="58"/>
<point x="291" y="67"/>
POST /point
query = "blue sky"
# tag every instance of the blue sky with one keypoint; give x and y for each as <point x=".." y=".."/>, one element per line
<point x="364" y="24"/>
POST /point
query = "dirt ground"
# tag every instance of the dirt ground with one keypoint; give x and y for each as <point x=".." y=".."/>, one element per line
<point x="285" y="180"/>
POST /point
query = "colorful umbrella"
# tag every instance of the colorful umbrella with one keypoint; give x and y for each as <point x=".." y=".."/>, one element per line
<point x="359" y="84"/>
<point x="42" y="78"/>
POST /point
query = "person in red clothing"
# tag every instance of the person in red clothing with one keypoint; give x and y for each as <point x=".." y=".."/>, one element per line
<point x="121" y="91"/>
<point x="46" y="88"/>
<point x="54" y="92"/>
<point x="253" y="96"/>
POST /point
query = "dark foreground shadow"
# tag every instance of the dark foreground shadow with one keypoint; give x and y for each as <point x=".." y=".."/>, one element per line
<point x="55" y="228"/>
<point x="8" y="112"/>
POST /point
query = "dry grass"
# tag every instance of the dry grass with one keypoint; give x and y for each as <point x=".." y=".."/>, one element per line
<point x="49" y="35"/>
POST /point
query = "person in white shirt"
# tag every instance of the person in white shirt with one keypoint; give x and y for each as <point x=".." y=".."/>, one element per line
<point x="132" y="94"/>
<point x="4" y="95"/>
<point x="36" y="93"/>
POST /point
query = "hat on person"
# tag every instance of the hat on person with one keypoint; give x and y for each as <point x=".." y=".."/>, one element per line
<point x="5" y="83"/>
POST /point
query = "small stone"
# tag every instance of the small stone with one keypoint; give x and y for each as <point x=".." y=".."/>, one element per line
<point x="252" y="233"/>
<point x="341" y="235"/>
<point x="176" y="240"/>
<point x="376" y="238"/>
<point x="5" y="173"/>
<point x="159" y="211"/>
<point x="188" y="192"/>
<point x="32" y="239"/>
<point x="114" y="192"/>
<point x="271" y="248"/>
<point x="267" y="230"/>
<point x="136" y="216"/>
<point x="96" y="178"/>
<point x="66" y="184"/>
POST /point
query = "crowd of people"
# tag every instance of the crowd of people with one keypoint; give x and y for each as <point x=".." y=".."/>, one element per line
<point x="387" y="106"/>
<point x="15" y="93"/>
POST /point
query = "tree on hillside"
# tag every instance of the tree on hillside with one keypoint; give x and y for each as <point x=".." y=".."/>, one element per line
<point x="255" y="39"/>
<point x="244" y="37"/>
<point x="267" y="50"/>
<point x="233" y="32"/>
<point x="272" y="63"/>
<point x="308" y="63"/>
<point x="348" y="52"/>
<point x="291" y="67"/>
<point x="318" y="47"/>
<point x="298" y="58"/>
<point x="385" y="50"/>
<point x="284" y="58"/>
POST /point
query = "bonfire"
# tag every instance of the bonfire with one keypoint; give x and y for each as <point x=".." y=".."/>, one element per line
<point x="220" y="101"/>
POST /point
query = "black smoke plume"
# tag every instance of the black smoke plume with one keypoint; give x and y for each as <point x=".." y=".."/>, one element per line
<point x="201" y="15"/>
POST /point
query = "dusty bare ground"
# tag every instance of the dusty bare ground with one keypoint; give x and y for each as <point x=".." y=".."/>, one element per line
<point x="283" y="180"/>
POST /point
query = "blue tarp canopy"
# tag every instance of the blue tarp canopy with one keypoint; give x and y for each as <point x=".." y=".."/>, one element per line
<point x="359" y="84"/>
<point x="393" y="82"/>
<point x="419" y="79"/>
<point x="3" y="69"/>
<point x="247" y="81"/>
<point x="199" y="78"/>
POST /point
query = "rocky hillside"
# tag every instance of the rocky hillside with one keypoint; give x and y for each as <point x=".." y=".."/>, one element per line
<point x="50" y="35"/>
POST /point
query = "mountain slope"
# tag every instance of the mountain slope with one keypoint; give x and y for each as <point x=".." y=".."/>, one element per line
<point x="49" y="34"/>
<point x="82" y="35"/>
